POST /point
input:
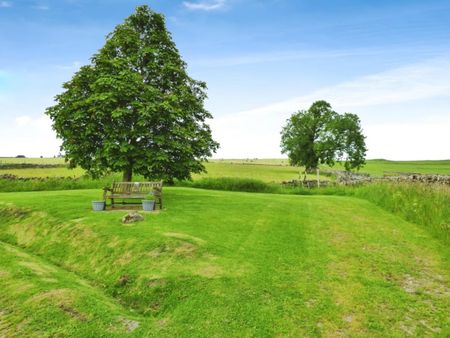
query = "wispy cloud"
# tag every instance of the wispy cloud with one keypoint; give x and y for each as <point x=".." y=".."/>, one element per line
<point x="291" y="55"/>
<point x="5" y="4"/>
<point x="204" y="5"/>
<point x="417" y="81"/>
<point x="422" y="81"/>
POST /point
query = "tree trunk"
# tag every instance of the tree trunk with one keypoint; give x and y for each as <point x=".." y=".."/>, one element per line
<point x="318" y="177"/>
<point x="128" y="174"/>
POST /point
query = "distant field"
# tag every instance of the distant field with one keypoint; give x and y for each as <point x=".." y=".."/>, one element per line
<point x="45" y="160"/>
<point x="267" y="170"/>
<point x="380" y="167"/>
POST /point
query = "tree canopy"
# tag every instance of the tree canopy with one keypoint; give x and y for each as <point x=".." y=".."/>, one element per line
<point x="320" y="135"/>
<point x="134" y="108"/>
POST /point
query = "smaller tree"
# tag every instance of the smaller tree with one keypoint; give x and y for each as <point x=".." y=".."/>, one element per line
<point x="319" y="135"/>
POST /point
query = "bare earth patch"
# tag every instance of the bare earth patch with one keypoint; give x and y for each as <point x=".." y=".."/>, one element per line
<point x="129" y="324"/>
<point x="184" y="236"/>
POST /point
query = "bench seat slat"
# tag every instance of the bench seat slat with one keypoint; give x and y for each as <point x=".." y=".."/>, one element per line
<point x="134" y="190"/>
<point x="127" y="196"/>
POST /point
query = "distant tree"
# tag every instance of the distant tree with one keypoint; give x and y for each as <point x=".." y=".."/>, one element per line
<point x="134" y="109"/>
<point x="319" y="135"/>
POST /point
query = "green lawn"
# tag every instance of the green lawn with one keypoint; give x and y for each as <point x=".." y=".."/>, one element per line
<point x="218" y="264"/>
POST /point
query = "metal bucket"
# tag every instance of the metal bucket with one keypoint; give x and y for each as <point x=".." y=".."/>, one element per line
<point x="98" y="205"/>
<point x="148" y="205"/>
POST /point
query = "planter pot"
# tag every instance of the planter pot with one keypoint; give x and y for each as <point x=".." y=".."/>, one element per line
<point x="148" y="205"/>
<point x="98" y="205"/>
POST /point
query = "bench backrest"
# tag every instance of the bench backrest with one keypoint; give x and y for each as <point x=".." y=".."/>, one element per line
<point x="135" y="187"/>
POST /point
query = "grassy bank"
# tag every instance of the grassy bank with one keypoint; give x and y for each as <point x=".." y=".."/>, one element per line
<point x="219" y="264"/>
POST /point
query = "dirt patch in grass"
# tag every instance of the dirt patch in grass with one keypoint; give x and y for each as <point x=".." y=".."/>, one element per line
<point x="125" y="258"/>
<point x="158" y="251"/>
<point x="162" y="323"/>
<point x="4" y="274"/>
<point x="177" y="248"/>
<point x="409" y="325"/>
<point x="209" y="271"/>
<point x="432" y="285"/>
<point x="64" y="299"/>
<point x="56" y="295"/>
<point x="129" y="324"/>
<point x="185" y="249"/>
<point x="157" y="283"/>
<point x="69" y="310"/>
<point x="179" y="235"/>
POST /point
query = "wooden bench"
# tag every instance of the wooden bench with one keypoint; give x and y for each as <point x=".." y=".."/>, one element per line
<point x="134" y="190"/>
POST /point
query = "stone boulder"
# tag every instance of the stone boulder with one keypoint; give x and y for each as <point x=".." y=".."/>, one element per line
<point x="132" y="217"/>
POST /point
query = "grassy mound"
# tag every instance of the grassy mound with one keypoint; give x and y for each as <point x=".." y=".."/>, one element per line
<point x="221" y="264"/>
<point x="39" y="299"/>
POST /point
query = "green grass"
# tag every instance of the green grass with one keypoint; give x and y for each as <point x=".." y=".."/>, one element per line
<point x="427" y="205"/>
<point x="218" y="264"/>
<point x="267" y="170"/>
<point x="381" y="167"/>
<point x="44" y="172"/>
<point x="34" y="160"/>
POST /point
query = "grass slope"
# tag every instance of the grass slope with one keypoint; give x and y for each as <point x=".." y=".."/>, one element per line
<point x="223" y="264"/>
<point x="39" y="299"/>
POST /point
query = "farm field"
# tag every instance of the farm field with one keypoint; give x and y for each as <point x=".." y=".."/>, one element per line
<point x="218" y="264"/>
<point x="267" y="170"/>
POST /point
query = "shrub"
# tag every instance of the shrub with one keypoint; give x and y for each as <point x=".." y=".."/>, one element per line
<point x="231" y="184"/>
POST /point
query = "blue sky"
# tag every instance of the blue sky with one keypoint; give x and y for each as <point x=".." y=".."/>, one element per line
<point x="387" y="61"/>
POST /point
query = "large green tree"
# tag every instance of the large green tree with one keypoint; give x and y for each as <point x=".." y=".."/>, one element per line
<point x="320" y="135"/>
<point x="134" y="108"/>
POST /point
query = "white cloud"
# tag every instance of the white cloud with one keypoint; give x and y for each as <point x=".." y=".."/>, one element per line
<point x="204" y="5"/>
<point x="5" y="4"/>
<point x="29" y="136"/>
<point x="40" y="123"/>
<point x="409" y="141"/>
<point x="256" y="132"/>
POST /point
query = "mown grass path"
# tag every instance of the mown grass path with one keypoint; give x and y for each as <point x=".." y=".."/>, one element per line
<point x="224" y="264"/>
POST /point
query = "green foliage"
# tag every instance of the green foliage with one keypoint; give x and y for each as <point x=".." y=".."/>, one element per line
<point x="134" y="109"/>
<point x="231" y="184"/>
<point x="322" y="136"/>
